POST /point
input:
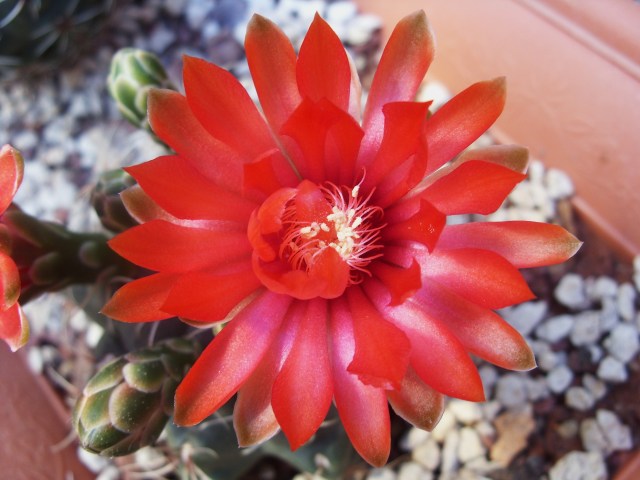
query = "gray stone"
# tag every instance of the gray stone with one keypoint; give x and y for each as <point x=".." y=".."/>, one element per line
<point x="586" y="329"/>
<point x="555" y="329"/>
<point x="526" y="316"/>
<point x="444" y="426"/>
<point x="413" y="471"/>
<point x="449" y="462"/>
<point x="626" y="301"/>
<point x="414" y="438"/>
<point x="622" y="343"/>
<point x="537" y="388"/>
<point x="617" y="434"/>
<point x="570" y="292"/>
<point x="465" y="412"/>
<point x="597" y="387"/>
<point x="511" y="390"/>
<point x="579" y="398"/>
<point x="592" y="436"/>
<point x="559" y="378"/>
<point x="427" y="454"/>
<point x="381" y="474"/>
<point x="604" y="287"/>
<point x="612" y="370"/>
<point x="558" y="184"/>
<point x="161" y="38"/>
<point x="470" y="446"/>
<point x="489" y="376"/>
<point x="579" y="466"/>
<point x="608" y="314"/>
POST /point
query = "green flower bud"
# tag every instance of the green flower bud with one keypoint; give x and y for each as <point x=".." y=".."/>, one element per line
<point x="126" y="405"/>
<point x="133" y="73"/>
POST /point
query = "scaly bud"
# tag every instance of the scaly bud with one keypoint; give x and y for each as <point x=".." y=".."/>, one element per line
<point x="107" y="203"/>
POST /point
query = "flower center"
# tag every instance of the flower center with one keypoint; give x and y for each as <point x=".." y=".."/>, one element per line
<point x="346" y="223"/>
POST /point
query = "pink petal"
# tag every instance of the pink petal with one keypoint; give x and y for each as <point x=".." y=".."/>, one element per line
<point x="323" y="70"/>
<point x="14" y="328"/>
<point x="402" y="67"/>
<point x="141" y="300"/>
<point x="523" y="244"/>
<point x="473" y="187"/>
<point x="437" y="356"/>
<point x="463" y="119"/>
<point x="11" y="171"/>
<point x="362" y="408"/>
<point x="9" y="282"/>
<point x="229" y="359"/>
<point x="225" y="109"/>
<point x="480" y="276"/>
<point x="303" y="390"/>
<point x="272" y="62"/>
<point x="481" y="331"/>
<point x="163" y="246"/>
<point x="174" y="122"/>
<point x="382" y="351"/>
<point x="181" y="190"/>
<point x="253" y="416"/>
<point x="417" y="402"/>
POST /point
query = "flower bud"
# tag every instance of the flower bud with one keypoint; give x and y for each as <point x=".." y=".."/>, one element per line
<point x="107" y="203"/>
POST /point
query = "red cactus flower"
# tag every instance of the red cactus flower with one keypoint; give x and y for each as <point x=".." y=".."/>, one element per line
<point x="14" y="328"/>
<point x="320" y="236"/>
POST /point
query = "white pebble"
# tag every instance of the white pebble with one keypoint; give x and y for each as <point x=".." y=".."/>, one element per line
<point x="597" y="387"/>
<point x="526" y="316"/>
<point x="579" y="398"/>
<point x="559" y="184"/>
<point x="608" y="314"/>
<point x="559" y="378"/>
<point x="537" y="388"/>
<point x="444" y="426"/>
<point x="449" y="462"/>
<point x="579" y="466"/>
<point x="612" y="370"/>
<point x="622" y="343"/>
<point x="470" y="446"/>
<point x="511" y="390"/>
<point x="465" y="412"/>
<point x="592" y="436"/>
<point x="427" y="454"/>
<point x="604" y="287"/>
<point x="413" y="471"/>
<point x="414" y="438"/>
<point x="555" y="328"/>
<point x="617" y="434"/>
<point x="586" y="328"/>
<point x="571" y="293"/>
<point x="626" y="301"/>
<point x="381" y="474"/>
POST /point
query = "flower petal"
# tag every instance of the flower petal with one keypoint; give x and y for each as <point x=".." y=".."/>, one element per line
<point x="11" y="171"/>
<point x="401" y="282"/>
<point x="382" y="350"/>
<point x="323" y="70"/>
<point x="174" y="122"/>
<point x="227" y="362"/>
<point x="181" y="190"/>
<point x="415" y="220"/>
<point x="437" y="356"/>
<point x="268" y="173"/>
<point x="14" y="327"/>
<point x="523" y="244"/>
<point x="253" y="416"/>
<point x="417" y="402"/>
<point x="272" y="62"/>
<point x="480" y="276"/>
<point x="9" y="282"/>
<point x="224" y="108"/>
<point x="209" y="297"/>
<point x="362" y="408"/>
<point x="163" y="246"/>
<point x="303" y="390"/>
<point x="473" y="187"/>
<point x="141" y="300"/>
<point x="402" y="67"/>
<point x="463" y="119"/>
<point x="482" y="332"/>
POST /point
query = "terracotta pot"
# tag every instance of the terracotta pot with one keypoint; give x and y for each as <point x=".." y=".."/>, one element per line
<point x="573" y="76"/>
<point x="35" y="426"/>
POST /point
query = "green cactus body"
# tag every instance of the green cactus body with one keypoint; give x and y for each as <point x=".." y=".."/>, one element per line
<point x="126" y="405"/>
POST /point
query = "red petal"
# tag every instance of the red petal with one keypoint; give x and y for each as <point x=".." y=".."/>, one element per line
<point x="303" y="390"/>
<point x="403" y="128"/>
<point x="11" y="170"/>
<point x="327" y="141"/>
<point x="401" y="282"/>
<point x="14" y="328"/>
<point x="473" y="187"/>
<point x="163" y="246"/>
<point x="480" y="330"/>
<point x="416" y="220"/>
<point x="401" y="180"/>
<point x="362" y="408"/>
<point x="225" y="109"/>
<point x="523" y="244"/>
<point x="323" y="70"/>
<point x="141" y="300"/>
<point x="182" y="191"/>
<point x="173" y="121"/>
<point x="253" y="416"/>
<point x="437" y="356"/>
<point x="417" y="402"/>
<point x="209" y="297"/>
<point x="402" y="67"/>
<point x="382" y="351"/>
<point x="463" y="119"/>
<point x="229" y="359"/>
<point x="9" y="282"/>
<point x="268" y="173"/>
<point x="480" y="276"/>
<point x="272" y="62"/>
